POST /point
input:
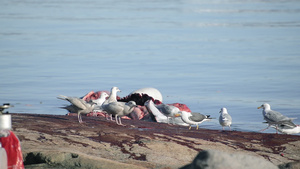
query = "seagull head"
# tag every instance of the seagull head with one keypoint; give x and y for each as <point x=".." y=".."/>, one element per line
<point x="104" y="95"/>
<point x="264" y="106"/>
<point x="223" y="110"/>
<point x="131" y="104"/>
<point x="116" y="89"/>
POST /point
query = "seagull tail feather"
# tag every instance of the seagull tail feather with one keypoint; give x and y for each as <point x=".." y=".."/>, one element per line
<point x="208" y="117"/>
<point x="62" y="97"/>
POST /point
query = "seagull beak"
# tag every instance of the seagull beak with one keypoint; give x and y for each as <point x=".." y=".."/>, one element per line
<point x="177" y="115"/>
<point x="259" y="107"/>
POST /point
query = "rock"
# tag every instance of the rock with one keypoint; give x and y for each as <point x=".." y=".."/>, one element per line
<point x="101" y="143"/>
<point x="292" y="165"/>
<point x="66" y="160"/>
<point x="212" y="159"/>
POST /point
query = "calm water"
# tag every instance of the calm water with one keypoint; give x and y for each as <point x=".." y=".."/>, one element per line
<point x="233" y="53"/>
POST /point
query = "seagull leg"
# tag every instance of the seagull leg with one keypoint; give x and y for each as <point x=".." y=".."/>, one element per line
<point x="197" y="126"/>
<point x="116" y="118"/>
<point x="79" y="118"/>
<point x="265" y="128"/>
<point x="120" y="123"/>
<point x="190" y="127"/>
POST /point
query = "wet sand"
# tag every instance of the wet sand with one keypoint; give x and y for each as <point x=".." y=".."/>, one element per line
<point x="60" y="141"/>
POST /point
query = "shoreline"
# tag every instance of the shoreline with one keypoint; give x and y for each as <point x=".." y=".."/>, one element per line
<point x="140" y="144"/>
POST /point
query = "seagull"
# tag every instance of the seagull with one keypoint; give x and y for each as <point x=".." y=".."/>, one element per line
<point x="193" y="118"/>
<point x="159" y="116"/>
<point x="275" y="118"/>
<point x="225" y="119"/>
<point x="287" y="129"/>
<point x="81" y="106"/>
<point x="112" y="98"/>
<point x="169" y="111"/>
<point x="71" y="108"/>
<point x="119" y="109"/>
<point x="100" y="101"/>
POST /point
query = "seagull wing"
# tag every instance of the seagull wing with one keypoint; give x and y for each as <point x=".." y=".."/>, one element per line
<point x="288" y="125"/>
<point x="275" y="117"/>
<point x="226" y="117"/>
<point x="197" y="117"/>
<point x="114" y="107"/>
<point x="163" y="109"/>
<point x="74" y="100"/>
<point x="167" y="110"/>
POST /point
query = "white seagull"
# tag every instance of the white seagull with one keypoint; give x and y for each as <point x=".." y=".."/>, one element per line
<point x="159" y="116"/>
<point x="225" y="119"/>
<point x="169" y="111"/>
<point x="113" y="95"/>
<point x="80" y="106"/>
<point x="119" y="109"/>
<point x="100" y="101"/>
<point x="287" y="129"/>
<point x="194" y="118"/>
<point x="275" y="118"/>
<point x="112" y="98"/>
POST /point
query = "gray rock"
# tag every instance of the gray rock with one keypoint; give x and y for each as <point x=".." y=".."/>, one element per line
<point x="212" y="159"/>
<point x="68" y="160"/>
<point x="291" y="165"/>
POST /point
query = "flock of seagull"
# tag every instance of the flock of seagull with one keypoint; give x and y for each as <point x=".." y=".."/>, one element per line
<point x="164" y="112"/>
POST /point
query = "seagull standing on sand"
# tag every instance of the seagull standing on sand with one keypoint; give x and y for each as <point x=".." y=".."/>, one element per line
<point x="225" y="119"/>
<point x="275" y="118"/>
<point x="194" y="118"/>
<point x="119" y="109"/>
<point x="81" y="106"/>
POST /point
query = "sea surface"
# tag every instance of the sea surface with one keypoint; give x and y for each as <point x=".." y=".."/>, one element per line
<point x="206" y="54"/>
